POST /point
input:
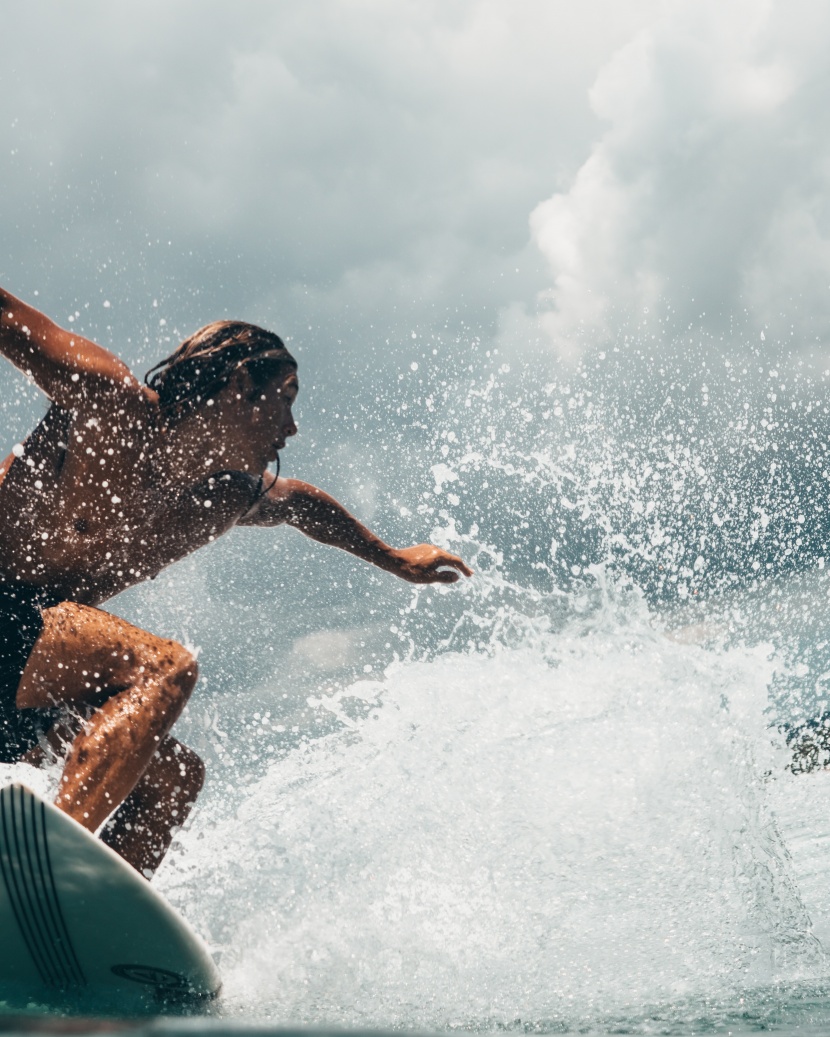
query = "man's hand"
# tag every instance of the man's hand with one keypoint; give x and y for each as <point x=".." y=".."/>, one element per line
<point x="427" y="564"/>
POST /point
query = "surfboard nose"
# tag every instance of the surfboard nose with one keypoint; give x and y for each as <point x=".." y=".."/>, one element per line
<point x="76" y="917"/>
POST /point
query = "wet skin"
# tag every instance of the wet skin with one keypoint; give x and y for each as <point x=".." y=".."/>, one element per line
<point x="106" y="494"/>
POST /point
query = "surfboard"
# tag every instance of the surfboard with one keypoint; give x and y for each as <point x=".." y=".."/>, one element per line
<point x="78" y="923"/>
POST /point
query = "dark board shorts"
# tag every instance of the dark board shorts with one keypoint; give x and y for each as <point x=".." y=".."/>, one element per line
<point x="20" y="625"/>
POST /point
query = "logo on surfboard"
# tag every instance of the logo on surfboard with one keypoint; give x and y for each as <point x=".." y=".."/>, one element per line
<point x="163" y="980"/>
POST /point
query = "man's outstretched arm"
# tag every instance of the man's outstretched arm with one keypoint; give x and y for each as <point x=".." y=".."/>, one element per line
<point x="60" y="362"/>
<point x="322" y="518"/>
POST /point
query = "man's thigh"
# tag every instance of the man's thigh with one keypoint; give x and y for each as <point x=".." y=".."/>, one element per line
<point x="83" y="655"/>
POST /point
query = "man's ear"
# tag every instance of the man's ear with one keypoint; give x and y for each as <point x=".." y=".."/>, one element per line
<point x="242" y="384"/>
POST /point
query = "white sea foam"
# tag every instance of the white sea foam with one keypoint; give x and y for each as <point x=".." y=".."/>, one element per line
<point x="547" y="832"/>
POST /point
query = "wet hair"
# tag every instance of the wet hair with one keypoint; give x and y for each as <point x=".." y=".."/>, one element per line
<point x="204" y="364"/>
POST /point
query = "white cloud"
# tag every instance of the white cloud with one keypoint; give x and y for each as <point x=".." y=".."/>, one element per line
<point x="347" y="162"/>
<point x="708" y="191"/>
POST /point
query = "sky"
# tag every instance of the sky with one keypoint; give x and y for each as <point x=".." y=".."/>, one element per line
<point x="405" y="188"/>
<point x="706" y="191"/>
<point x="351" y="171"/>
<point x="345" y="171"/>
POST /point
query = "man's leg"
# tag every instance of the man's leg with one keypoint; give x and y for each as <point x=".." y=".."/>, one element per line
<point x="143" y="827"/>
<point x="139" y="685"/>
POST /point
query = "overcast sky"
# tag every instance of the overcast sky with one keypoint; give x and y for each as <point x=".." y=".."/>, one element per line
<point x="339" y="164"/>
<point x="348" y="171"/>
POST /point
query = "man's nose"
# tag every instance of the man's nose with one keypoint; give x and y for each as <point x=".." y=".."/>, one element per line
<point x="290" y="427"/>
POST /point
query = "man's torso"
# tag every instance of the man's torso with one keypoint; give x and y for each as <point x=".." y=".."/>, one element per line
<point x="89" y="508"/>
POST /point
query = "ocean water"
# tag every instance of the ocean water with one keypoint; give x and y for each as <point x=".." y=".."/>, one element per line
<point x="558" y="797"/>
<point x="544" y="834"/>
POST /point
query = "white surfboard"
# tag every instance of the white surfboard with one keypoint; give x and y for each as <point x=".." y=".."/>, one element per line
<point x="77" y="922"/>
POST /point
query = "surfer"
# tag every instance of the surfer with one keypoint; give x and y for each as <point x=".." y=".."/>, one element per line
<point x="119" y="480"/>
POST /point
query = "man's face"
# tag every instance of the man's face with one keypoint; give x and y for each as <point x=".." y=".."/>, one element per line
<point x="273" y="420"/>
<point x="255" y="420"/>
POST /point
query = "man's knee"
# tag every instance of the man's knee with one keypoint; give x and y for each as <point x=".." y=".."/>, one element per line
<point x="179" y="668"/>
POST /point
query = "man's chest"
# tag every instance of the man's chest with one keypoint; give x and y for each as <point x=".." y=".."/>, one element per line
<point x="110" y="525"/>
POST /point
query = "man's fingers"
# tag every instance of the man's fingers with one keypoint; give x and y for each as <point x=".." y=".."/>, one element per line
<point x="434" y="575"/>
<point x="447" y="576"/>
<point x="456" y="563"/>
<point x="443" y="560"/>
<point x="428" y="564"/>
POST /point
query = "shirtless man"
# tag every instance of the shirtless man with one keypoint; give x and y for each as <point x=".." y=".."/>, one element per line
<point x="117" y="481"/>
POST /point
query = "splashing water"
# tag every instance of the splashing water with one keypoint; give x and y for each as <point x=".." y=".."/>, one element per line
<point x="546" y="833"/>
<point x="560" y="798"/>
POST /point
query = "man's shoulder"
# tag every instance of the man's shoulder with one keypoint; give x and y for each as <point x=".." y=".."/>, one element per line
<point x="235" y="486"/>
<point x="232" y="479"/>
<point x="123" y="400"/>
<point x="269" y="504"/>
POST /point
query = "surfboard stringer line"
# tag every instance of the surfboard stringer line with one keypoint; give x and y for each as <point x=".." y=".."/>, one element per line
<point x="26" y="868"/>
